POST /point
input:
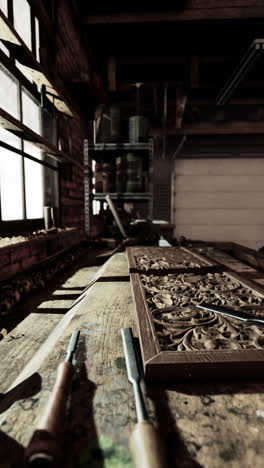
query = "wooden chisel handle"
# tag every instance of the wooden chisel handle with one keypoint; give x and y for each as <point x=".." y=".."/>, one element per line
<point x="146" y="447"/>
<point x="45" y="443"/>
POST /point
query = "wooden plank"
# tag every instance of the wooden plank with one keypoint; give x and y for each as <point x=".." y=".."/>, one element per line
<point x="220" y="166"/>
<point x="219" y="184"/>
<point x="218" y="4"/>
<point x="101" y="391"/>
<point x="250" y="236"/>
<point x="42" y="352"/>
<point x="148" y="340"/>
<point x="19" y="346"/>
<point x="236" y="200"/>
<point x="225" y="258"/>
<point x="197" y="14"/>
<point x="250" y="256"/>
<point x="214" y="128"/>
<point x="13" y="125"/>
<point x="198" y="421"/>
<point x="219" y="216"/>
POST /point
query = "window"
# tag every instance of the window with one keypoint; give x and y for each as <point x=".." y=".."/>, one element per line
<point x="22" y="21"/>
<point x="28" y="177"/>
<point x="3" y="6"/>
<point x="37" y="39"/>
<point x="17" y="172"/>
<point x="33" y="170"/>
<point x="9" y="95"/>
<point x="11" y="185"/>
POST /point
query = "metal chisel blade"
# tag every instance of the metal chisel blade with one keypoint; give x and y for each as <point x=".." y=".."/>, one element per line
<point x="237" y="314"/>
<point x="130" y="356"/>
<point x="72" y="345"/>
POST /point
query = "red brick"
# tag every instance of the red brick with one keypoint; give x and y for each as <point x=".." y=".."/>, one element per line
<point x="4" y="259"/>
<point x="20" y="252"/>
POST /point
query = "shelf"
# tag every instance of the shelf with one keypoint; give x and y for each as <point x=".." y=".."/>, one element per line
<point x="120" y="147"/>
<point x="136" y="196"/>
<point x="23" y="54"/>
<point x="16" y="127"/>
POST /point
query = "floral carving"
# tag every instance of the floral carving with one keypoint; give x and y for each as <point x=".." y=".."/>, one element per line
<point x="191" y="329"/>
<point x="180" y="326"/>
<point x="165" y="258"/>
<point x="187" y="289"/>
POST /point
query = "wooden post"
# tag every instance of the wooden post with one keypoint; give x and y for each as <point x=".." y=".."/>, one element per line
<point x="112" y="74"/>
<point x="194" y="72"/>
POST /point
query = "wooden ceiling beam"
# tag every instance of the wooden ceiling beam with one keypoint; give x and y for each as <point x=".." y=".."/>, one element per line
<point x="190" y="14"/>
<point x="211" y="128"/>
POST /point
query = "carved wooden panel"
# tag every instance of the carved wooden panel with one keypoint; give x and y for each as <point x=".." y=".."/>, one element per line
<point x="157" y="259"/>
<point x="180" y="341"/>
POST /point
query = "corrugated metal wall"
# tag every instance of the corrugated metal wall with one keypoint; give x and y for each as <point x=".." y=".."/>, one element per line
<point x="220" y="199"/>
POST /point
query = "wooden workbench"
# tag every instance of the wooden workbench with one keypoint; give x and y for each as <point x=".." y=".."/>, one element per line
<point x="203" y="424"/>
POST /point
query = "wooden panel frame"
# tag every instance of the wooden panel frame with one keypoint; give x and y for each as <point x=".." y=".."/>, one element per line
<point x="175" y="366"/>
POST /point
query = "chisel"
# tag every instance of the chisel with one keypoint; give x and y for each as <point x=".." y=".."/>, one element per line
<point x="45" y="446"/>
<point x="145" y="444"/>
<point x="236" y="314"/>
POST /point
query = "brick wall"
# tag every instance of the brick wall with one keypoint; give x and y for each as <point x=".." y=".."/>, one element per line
<point x="16" y="258"/>
<point x="71" y="61"/>
<point x="71" y="182"/>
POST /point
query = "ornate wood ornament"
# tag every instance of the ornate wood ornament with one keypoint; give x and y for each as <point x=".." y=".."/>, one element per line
<point x="179" y="341"/>
<point x="191" y="329"/>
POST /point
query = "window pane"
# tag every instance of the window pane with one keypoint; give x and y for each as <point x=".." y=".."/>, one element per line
<point x="11" y="185"/>
<point x="31" y="118"/>
<point x="22" y="21"/>
<point x="37" y="39"/>
<point x="9" y="93"/>
<point x="51" y="187"/>
<point x="9" y="138"/>
<point x="30" y="112"/>
<point x="3" y="6"/>
<point x="33" y="170"/>
<point x="34" y="189"/>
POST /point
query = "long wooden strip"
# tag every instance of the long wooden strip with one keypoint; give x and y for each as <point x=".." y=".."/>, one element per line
<point x="102" y="399"/>
<point x="34" y="364"/>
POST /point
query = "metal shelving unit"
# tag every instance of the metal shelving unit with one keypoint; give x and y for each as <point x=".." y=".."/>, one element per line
<point x="107" y="151"/>
<point x="144" y="196"/>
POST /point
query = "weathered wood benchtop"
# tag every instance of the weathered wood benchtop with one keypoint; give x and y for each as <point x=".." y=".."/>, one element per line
<point x="203" y="424"/>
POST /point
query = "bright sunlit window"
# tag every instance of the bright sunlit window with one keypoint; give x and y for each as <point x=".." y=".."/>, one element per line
<point x="3" y="6"/>
<point x="10" y="178"/>
<point x="37" y="39"/>
<point x="9" y="97"/>
<point x="33" y="171"/>
<point x="22" y="20"/>
<point x="26" y="184"/>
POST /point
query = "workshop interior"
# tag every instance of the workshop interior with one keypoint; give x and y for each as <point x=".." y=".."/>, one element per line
<point x="131" y="234"/>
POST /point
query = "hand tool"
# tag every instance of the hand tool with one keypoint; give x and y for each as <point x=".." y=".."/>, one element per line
<point x="145" y="444"/>
<point x="236" y="314"/>
<point x="44" y="448"/>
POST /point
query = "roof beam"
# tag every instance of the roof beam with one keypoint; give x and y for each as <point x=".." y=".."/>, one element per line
<point x="211" y="128"/>
<point x="190" y="14"/>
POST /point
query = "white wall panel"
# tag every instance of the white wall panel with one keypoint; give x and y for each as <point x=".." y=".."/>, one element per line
<point x="220" y="200"/>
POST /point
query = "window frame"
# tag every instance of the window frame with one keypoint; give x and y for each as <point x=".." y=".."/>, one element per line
<point x="12" y="227"/>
